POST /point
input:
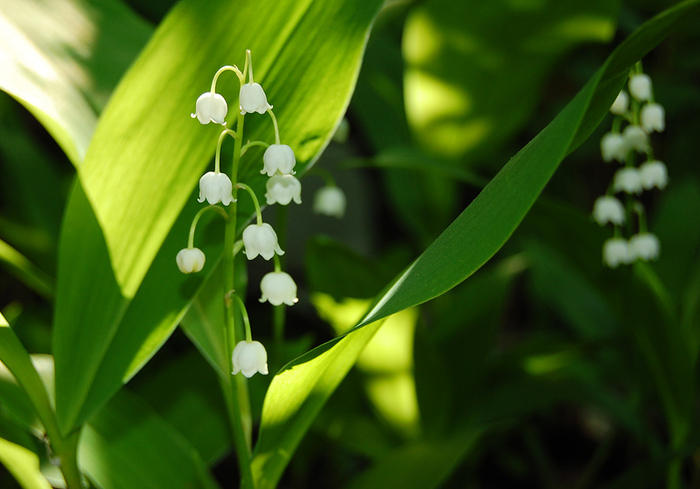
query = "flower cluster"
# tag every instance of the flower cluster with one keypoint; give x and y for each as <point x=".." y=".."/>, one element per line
<point x="642" y="116"/>
<point x="258" y="239"/>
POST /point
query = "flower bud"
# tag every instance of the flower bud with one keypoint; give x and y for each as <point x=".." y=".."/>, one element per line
<point x="644" y="246"/>
<point x="215" y="187"/>
<point x="653" y="174"/>
<point x="627" y="180"/>
<point x="278" y="288"/>
<point x="619" y="106"/>
<point x="261" y="239"/>
<point x="278" y="158"/>
<point x="252" y="98"/>
<point x="640" y="87"/>
<point x="249" y="358"/>
<point x="282" y="189"/>
<point x="190" y="260"/>
<point x="616" y="252"/>
<point x="613" y="147"/>
<point x="608" y="209"/>
<point x="653" y="118"/>
<point x="330" y="201"/>
<point x="211" y="107"/>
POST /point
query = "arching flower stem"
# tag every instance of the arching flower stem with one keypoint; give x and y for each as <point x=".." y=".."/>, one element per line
<point x="217" y="159"/>
<point x="193" y="226"/>
<point x="233" y="68"/>
<point x="274" y="123"/>
<point x="244" y="314"/>
<point x="258" y="212"/>
<point x="250" y="144"/>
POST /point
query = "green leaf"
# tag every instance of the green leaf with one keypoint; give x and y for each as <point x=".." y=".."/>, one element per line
<point x="143" y="165"/>
<point x="475" y="70"/>
<point x="61" y="59"/>
<point x="23" y="464"/>
<point x="298" y="391"/>
<point x="128" y="446"/>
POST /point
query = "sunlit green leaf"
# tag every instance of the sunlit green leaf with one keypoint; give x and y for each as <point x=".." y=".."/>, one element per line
<point x="62" y="58"/>
<point x="143" y="165"/>
<point x="23" y="464"/>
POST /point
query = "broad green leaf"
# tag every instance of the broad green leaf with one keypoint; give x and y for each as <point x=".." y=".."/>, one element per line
<point x="298" y="391"/>
<point x="128" y="446"/>
<point x="62" y="58"/>
<point x="23" y="464"/>
<point x="25" y="270"/>
<point x="475" y="70"/>
<point x="143" y="165"/>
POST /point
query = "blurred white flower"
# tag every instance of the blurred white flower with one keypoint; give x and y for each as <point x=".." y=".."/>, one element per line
<point x="640" y="87"/>
<point x="342" y="132"/>
<point x="252" y="98"/>
<point x="635" y="138"/>
<point x="619" y="106"/>
<point x="215" y="187"/>
<point x="249" y="358"/>
<point x="627" y="180"/>
<point x="644" y="246"/>
<point x="278" y="157"/>
<point x="616" y="252"/>
<point x="282" y="189"/>
<point x="608" y="209"/>
<point x="211" y="107"/>
<point x="261" y="239"/>
<point x="653" y="118"/>
<point x="330" y="201"/>
<point x="653" y="174"/>
<point x="190" y="260"/>
<point x="278" y="288"/>
<point x="613" y="147"/>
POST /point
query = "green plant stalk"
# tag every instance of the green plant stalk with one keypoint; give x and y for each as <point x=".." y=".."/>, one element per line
<point x="67" y="451"/>
<point x="235" y="388"/>
<point x="279" y="312"/>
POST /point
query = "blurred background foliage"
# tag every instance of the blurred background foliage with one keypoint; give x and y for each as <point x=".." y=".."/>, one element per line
<point x="543" y="370"/>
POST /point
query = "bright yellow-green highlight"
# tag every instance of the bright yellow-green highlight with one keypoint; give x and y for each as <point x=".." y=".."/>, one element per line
<point x="547" y="364"/>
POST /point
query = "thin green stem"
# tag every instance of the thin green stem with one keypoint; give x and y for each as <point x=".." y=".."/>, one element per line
<point x="246" y="320"/>
<point x="193" y="226"/>
<point x="235" y="387"/>
<point x="258" y="212"/>
<point x="217" y="159"/>
<point x="254" y="143"/>
<point x="249" y="65"/>
<point x="233" y="68"/>
<point x="279" y="313"/>
<point x="325" y="174"/>
<point x="274" y="123"/>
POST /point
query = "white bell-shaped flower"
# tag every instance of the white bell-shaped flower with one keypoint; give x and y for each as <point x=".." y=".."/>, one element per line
<point x="653" y="118"/>
<point x="215" y="187"/>
<point x="261" y="239"/>
<point x="608" y="209"/>
<point x="211" y="107"/>
<point x="635" y="138"/>
<point x="621" y="103"/>
<point x="249" y="358"/>
<point x="278" y="288"/>
<point x="190" y="260"/>
<point x="627" y="180"/>
<point x="640" y="87"/>
<point x="252" y="98"/>
<point x="282" y="189"/>
<point x="616" y="252"/>
<point x="653" y="174"/>
<point x="644" y="246"/>
<point x="613" y="147"/>
<point x="330" y="201"/>
<point x="278" y="158"/>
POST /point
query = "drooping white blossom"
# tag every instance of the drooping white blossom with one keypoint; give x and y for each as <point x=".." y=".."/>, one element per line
<point x="653" y="118"/>
<point x="282" y="189"/>
<point x="616" y="252"/>
<point x="653" y="174"/>
<point x="278" y="288"/>
<point x="640" y="87"/>
<point x="644" y="246"/>
<point x="190" y="260"/>
<point x="261" y="239"/>
<point x="621" y="103"/>
<point x="330" y="201"/>
<point x="613" y="147"/>
<point x="211" y="107"/>
<point x="252" y="98"/>
<point x="627" y="180"/>
<point x="635" y="138"/>
<point x="278" y="158"/>
<point x="215" y="187"/>
<point x="249" y="358"/>
<point x="608" y="209"/>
